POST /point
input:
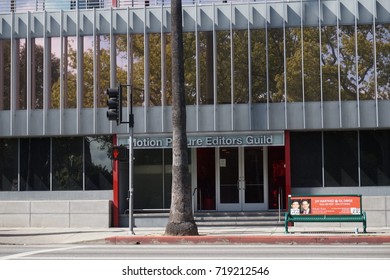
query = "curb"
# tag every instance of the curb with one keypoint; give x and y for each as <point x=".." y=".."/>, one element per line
<point x="249" y="239"/>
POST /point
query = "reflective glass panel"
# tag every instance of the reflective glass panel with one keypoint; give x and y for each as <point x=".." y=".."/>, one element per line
<point x="8" y="164"/>
<point x="306" y="159"/>
<point x="259" y="65"/>
<point x="98" y="163"/>
<point x="5" y="76"/>
<point x="67" y="163"/>
<point x="382" y="39"/>
<point x="35" y="164"/>
<point x="341" y="159"/>
<point x="375" y="158"/>
<point x="37" y="74"/>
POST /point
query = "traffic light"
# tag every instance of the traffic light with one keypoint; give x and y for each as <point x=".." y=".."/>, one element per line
<point x="114" y="104"/>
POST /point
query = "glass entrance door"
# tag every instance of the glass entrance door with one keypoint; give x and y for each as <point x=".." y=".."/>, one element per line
<point x="241" y="179"/>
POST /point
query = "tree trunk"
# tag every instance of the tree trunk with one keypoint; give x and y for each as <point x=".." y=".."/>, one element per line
<point x="181" y="219"/>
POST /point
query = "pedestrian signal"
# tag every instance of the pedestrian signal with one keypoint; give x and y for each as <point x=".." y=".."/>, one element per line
<point x="120" y="153"/>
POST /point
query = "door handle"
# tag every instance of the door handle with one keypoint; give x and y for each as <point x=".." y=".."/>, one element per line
<point x="241" y="184"/>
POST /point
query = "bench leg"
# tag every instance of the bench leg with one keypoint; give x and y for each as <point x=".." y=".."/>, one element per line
<point x="364" y="222"/>
<point x="286" y="223"/>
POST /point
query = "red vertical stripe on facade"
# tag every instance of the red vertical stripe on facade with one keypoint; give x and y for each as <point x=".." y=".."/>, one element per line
<point x="287" y="153"/>
<point x="114" y="3"/>
<point x="115" y="186"/>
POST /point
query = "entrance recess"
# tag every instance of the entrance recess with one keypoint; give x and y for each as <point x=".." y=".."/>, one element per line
<point x="241" y="179"/>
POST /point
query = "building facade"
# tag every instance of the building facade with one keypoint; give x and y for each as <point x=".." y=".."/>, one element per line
<point x="282" y="97"/>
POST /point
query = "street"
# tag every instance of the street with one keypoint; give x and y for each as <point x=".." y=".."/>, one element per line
<point x="113" y="252"/>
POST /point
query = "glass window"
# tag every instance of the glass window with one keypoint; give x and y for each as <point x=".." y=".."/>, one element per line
<point x="223" y="67"/>
<point x="70" y="72"/>
<point x="8" y="164"/>
<point x="259" y="65"/>
<point x="341" y="158"/>
<point x="168" y="65"/>
<point x="37" y="74"/>
<point x="168" y="176"/>
<point x="190" y="67"/>
<point x="98" y="163"/>
<point x="366" y="67"/>
<point x="206" y="67"/>
<point x="240" y="64"/>
<point x="67" y="163"/>
<point x="122" y="62"/>
<point x="329" y="62"/>
<point x="293" y="66"/>
<point x="153" y="178"/>
<point x="276" y="64"/>
<point x="103" y="68"/>
<point x="5" y="76"/>
<point x="311" y="63"/>
<point x="88" y="72"/>
<point x="54" y="66"/>
<point x="148" y="179"/>
<point x="382" y="39"/>
<point x="21" y="85"/>
<point x="375" y="158"/>
<point x="155" y="62"/>
<point x="138" y="48"/>
<point x="306" y="159"/>
<point x="35" y="164"/>
<point x="348" y="83"/>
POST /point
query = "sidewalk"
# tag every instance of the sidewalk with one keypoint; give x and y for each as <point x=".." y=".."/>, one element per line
<point x="207" y="235"/>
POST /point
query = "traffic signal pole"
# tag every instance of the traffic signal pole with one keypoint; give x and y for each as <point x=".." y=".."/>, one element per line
<point x="114" y="113"/>
<point x="131" y="164"/>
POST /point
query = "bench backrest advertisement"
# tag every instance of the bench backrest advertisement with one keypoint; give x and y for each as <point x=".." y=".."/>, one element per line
<point x="325" y="205"/>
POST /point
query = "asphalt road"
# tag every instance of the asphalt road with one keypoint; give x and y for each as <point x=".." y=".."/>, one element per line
<point x="138" y="252"/>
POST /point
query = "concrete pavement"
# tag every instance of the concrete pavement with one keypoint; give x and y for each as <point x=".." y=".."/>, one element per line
<point x="207" y="235"/>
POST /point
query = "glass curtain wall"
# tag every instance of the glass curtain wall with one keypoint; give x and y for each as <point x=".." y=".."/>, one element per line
<point x="340" y="159"/>
<point x="336" y="60"/>
<point x="58" y="164"/>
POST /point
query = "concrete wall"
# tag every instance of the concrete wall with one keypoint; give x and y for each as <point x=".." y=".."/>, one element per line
<point x="97" y="213"/>
<point x="378" y="210"/>
<point x="56" y="213"/>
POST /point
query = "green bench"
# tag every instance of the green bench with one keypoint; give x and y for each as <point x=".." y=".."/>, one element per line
<point x="325" y="208"/>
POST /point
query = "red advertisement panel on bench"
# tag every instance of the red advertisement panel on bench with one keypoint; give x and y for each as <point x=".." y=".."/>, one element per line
<point x="325" y="205"/>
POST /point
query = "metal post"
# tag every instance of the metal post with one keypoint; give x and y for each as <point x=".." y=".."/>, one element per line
<point x="131" y="161"/>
